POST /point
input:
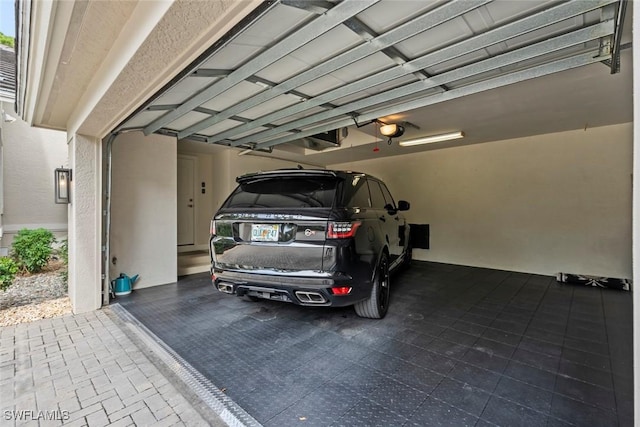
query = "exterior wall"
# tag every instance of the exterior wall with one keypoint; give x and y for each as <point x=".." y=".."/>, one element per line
<point x="85" y="265"/>
<point x="29" y="157"/>
<point x="544" y="204"/>
<point x="144" y="208"/>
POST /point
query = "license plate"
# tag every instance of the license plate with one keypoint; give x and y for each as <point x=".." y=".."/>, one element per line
<point x="265" y="232"/>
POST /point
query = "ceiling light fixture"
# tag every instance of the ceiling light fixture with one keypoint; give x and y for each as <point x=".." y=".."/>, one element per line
<point x="432" y="138"/>
<point x="392" y="130"/>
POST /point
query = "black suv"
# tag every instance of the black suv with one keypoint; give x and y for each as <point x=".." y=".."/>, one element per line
<point x="310" y="237"/>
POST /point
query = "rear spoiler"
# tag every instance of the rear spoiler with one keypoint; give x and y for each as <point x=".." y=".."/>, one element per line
<point x="285" y="173"/>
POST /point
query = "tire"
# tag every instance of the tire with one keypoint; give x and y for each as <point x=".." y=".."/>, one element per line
<point x="376" y="306"/>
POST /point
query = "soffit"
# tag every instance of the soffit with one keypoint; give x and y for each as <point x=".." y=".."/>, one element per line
<point x="92" y="29"/>
<point x="302" y="68"/>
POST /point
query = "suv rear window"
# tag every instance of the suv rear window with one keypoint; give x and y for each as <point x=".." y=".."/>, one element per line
<point x="284" y="192"/>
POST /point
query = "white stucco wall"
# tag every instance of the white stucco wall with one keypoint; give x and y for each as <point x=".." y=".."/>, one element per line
<point x="144" y="208"/>
<point x="85" y="261"/>
<point x="542" y="204"/>
<point x="29" y="157"/>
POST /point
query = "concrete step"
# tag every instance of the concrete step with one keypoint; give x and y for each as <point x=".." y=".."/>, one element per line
<point x="185" y="271"/>
<point x="193" y="262"/>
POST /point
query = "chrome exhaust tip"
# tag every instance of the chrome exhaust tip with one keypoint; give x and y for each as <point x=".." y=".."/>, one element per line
<point x="311" y="297"/>
<point x="227" y="288"/>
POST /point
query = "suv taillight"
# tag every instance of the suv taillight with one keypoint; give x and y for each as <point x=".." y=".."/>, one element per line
<point x="212" y="227"/>
<point x="342" y="230"/>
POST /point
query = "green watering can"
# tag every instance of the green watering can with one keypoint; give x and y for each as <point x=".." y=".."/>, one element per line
<point x="122" y="284"/>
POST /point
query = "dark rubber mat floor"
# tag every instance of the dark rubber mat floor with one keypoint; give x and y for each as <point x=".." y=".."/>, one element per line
<point x="459" y="346"/>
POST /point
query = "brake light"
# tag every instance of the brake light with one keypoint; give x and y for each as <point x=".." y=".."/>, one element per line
<point x="341" y="290"/>
<point x="342" y="230"/>
<point x="212" y="227"/>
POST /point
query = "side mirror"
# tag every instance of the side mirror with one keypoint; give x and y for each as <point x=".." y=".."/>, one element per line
<point x="403" y="205"/>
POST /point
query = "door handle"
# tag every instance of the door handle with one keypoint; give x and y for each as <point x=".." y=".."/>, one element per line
<point x="382" y="218"/>
<point x="190" y="206"/>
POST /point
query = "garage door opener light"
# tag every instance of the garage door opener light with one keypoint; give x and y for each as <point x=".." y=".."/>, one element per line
<point x="432" y="138"/>
<point x="392" y="130"/>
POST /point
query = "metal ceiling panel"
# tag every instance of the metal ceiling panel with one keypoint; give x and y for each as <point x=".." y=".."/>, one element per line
<point x="314" y="66"/>
<point x="513" y="29"/>
<point x="333" y="17"/>
<point x="538" y="71"/>
<point x="384" y="16"/>
<point x="364" y="67"/>
<point x="502" y="12"/>
<point x="275" y="25"/>
<point x="327" y="45"/>
<point x="282" y="69"/>
<point x="321" y="85"/>
<point x="183" y="90"/>
<point x="185" y="121"/>
<point x="464" y="72"/>
<point x="300" y="115"/>
<point x="232" y="57"/>
<point x="420" y="23"/>
<point x="221" y="127"/>
<point x="277" y="103"/>
<point x="435" y="38"/>
<point x="142" y="119"/>
<point x="226" y="99"/>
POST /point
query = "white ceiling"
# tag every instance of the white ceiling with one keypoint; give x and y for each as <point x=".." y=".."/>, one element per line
<point x="495" y="70"/>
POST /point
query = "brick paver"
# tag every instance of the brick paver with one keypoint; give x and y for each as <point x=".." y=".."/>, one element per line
<point x="83" y="370"/>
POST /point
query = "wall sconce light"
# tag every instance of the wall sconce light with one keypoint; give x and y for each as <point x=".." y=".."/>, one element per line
<point x="392" y="130"/>
<point x="432" y="139"/>
<point x="62" y="184"/>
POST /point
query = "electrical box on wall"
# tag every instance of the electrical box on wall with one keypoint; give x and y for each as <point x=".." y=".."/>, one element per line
<point x="203" y="188"/>
<point x="419" y="236"/>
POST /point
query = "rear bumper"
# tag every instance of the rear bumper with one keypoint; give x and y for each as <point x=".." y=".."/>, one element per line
<point x="300" y="290"/>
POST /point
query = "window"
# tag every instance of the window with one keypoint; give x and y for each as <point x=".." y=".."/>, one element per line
<point x="377" y="199"/>
<point x="284" y="193"/>
<point x="356" y="193"/>
<point x="387" y="196"/>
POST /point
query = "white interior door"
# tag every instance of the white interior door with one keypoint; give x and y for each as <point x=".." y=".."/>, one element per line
<point x="186" y="201"/>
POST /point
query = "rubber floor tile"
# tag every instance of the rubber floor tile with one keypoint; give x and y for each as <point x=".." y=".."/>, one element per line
<point x="366" y="413"/>
<point x="524" y="394"/>
<point x="462" y="396"/>
<point x="505" y="413"/>
<point x="579" y="413"/>
<point x="436" y="413"/>
<point x="458" y="342"/>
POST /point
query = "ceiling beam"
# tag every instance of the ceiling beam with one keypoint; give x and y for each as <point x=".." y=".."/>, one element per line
<point x="323" y="23"/>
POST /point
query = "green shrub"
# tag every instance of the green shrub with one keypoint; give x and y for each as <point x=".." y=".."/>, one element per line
<point x="8" y="270"/>
<point x="31" y="249"/>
